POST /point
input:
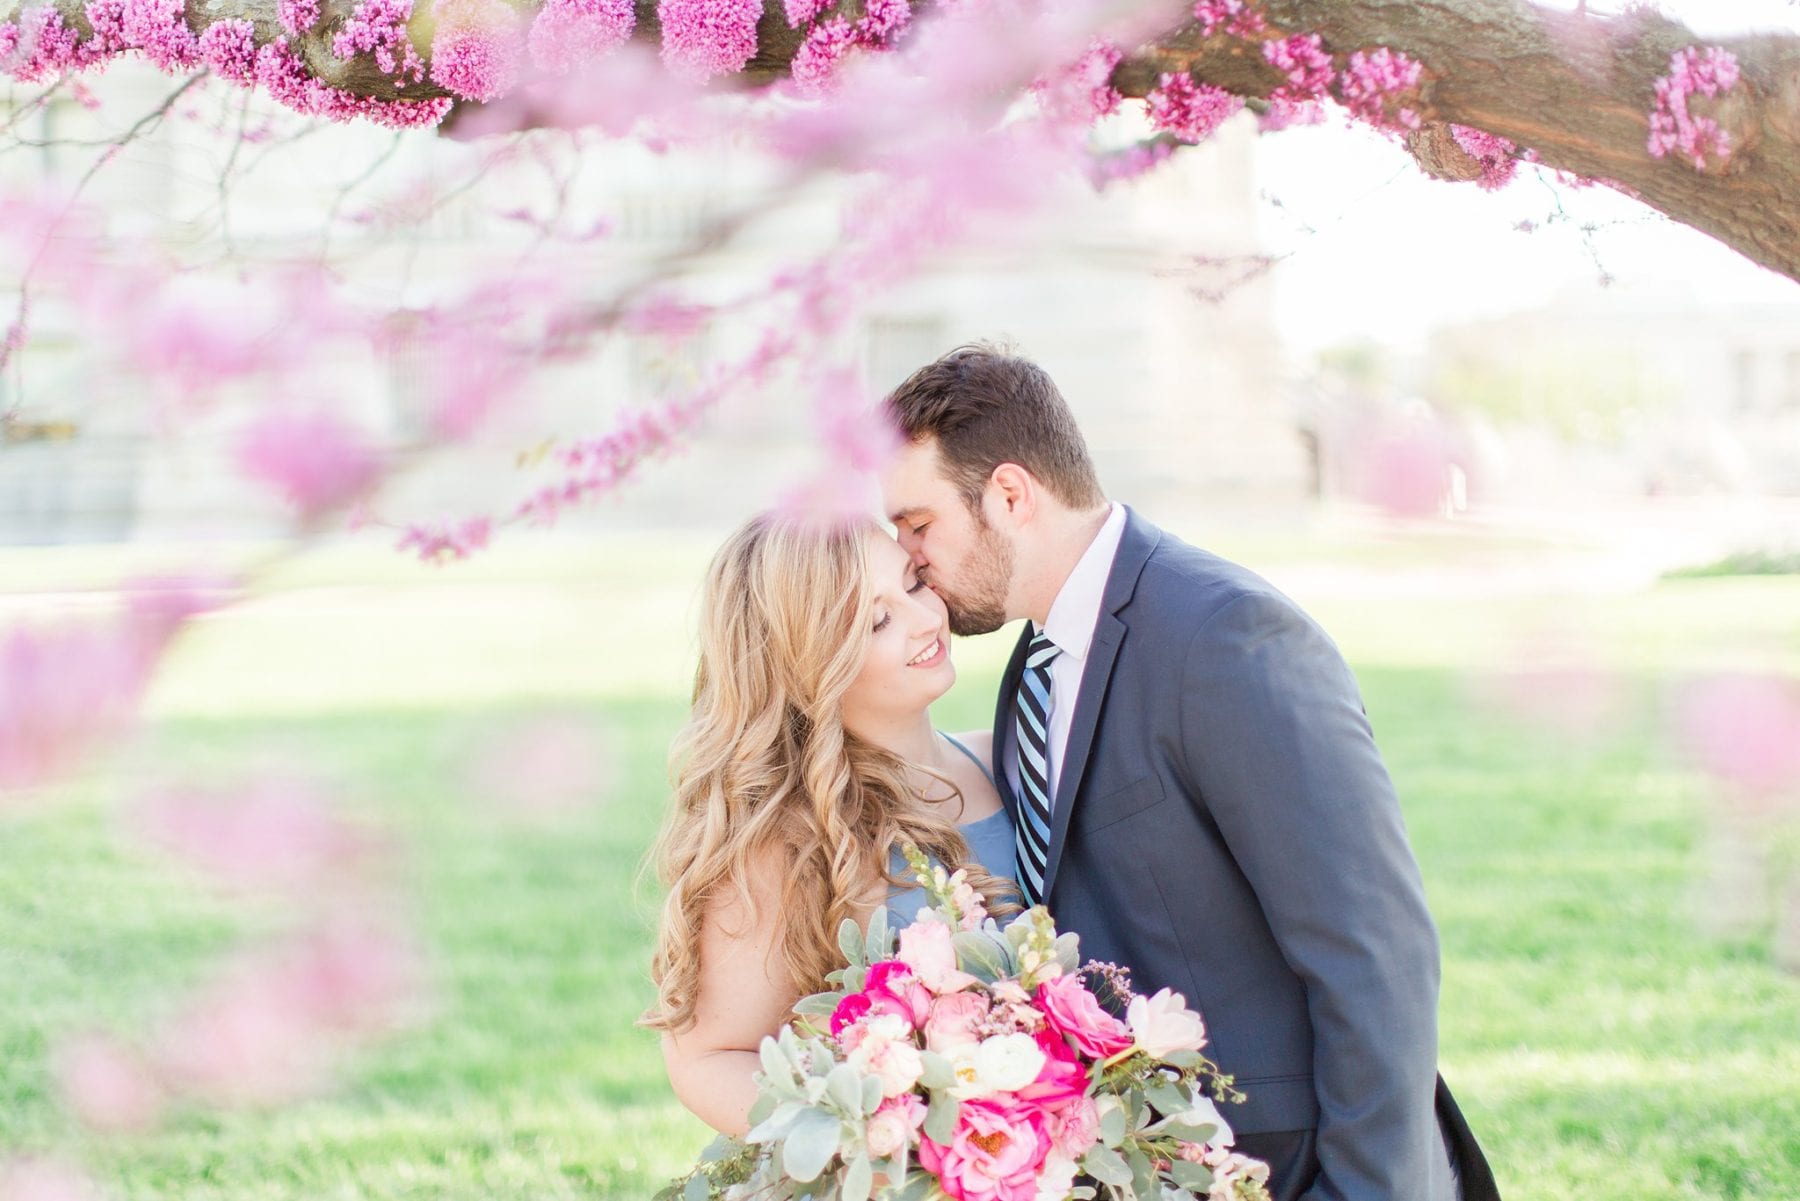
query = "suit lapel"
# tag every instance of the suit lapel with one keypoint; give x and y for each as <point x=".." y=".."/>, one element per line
<point x="1139" y="539"/>
<point x="1005" y="743"/>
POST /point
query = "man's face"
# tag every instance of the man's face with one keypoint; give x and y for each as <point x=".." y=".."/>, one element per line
<point x="965" y="560"/>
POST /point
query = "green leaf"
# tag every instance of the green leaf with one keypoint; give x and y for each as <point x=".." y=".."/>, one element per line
<point x="775" y="1065"/>
<point x="871" y="1095"/>
<point x="844" y="1087"/>
<point x="939" y="1073"/>
<point x="1106" y="1165"/>
<point x="878" y="944"/>
<point x="699" y="1188"/>
<point x="918" y="1187"/>
<point x="762" y="1107"/>
<point x="1143" y="1173"/>
<point x="859" y="1179"/>
<point x="1194" y="1176"/>
<point x="724" y="1147"/>
<point x="855" y="978"/>
<point x="850" y="941"/>
<point x="1183" y="1059"/>
<point x="812" y="1142"/>
<point x="980" y="956"/>
<point x="1068" y="951"/>
<point x="1201" y="1132"/>
<point x="668" y="1192"/>
<point x="776" y="1126"/>
<point x="1167" y="1097"/>
<point x="1112" y="1125"/>
<point x="940" y="1117"/>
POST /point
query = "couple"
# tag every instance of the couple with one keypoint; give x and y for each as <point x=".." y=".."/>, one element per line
<point x="1180" y="769"/>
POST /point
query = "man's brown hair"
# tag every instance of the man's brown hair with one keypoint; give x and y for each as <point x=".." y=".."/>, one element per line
<point x="986" y="407"/>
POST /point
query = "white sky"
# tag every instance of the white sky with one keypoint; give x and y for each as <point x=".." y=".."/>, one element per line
<point x="1393" y="253"/>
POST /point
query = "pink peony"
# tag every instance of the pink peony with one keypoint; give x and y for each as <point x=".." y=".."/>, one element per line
<point x="1063" y="1079"/>
<point x="1075" y="1128"/>
<point x="884" y="1048"/>
<point x="996" y="1151"/>
<point x="955" y="1021"/>
<point x="1073" y="1013"/>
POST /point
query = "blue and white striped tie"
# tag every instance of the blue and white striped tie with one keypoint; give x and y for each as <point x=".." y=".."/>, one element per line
<point x="1032" y="719"/>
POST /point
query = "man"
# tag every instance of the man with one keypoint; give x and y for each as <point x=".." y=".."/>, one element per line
<point x="1194" y="785"/>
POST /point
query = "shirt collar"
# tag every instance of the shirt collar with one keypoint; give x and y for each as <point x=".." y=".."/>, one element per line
<point x="1076" y="610"/>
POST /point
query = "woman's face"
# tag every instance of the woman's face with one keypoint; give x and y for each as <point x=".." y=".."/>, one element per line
<point x="908" y="662"/>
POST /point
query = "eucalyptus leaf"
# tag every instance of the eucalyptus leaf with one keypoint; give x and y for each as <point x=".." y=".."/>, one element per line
<point x="699" y="1188"/>
<point x="1194" y="1176"/>
<point x="811" y="1143"/>
<point x="850" y="941"/>
<point x="775" y="1066"/>
<point x="1167" y="1097"/>
<point x="939" y="1072"/>
<point x="1200" y="1132"/>
<point x="859" y="1178"/>
<point x="1143" y="1173"/>
<point x="918" y="1186"/>
<point x="1183" y="1059"/>
<point x="980" y="956"/>
<point x="776" y="1126"/>
<point x="1107" y="1166"/>
<point x="725" y="1145"/>
<point x="762" y="1107"/>
<point x="1068" y="951"/>
<point x="668" y="1192"/>
<point x="871" y="1095"/>
<point x="854" y="978"/>
<point x="940" y="1117"/>
<point x="1112" y="1125"/>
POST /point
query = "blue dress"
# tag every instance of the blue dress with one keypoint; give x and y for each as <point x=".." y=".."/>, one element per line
<point x="990" y="842"/>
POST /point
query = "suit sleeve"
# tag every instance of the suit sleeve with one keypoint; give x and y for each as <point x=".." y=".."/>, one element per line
<point x="1277" y="744"/>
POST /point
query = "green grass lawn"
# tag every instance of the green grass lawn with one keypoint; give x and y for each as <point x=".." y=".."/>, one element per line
<point x="1601" y="1046"/>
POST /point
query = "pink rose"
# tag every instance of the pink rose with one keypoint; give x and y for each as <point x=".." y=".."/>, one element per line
<point x="995" y="1152"/>
<point x="893" y="988"/>
<point x="1062" y="1080"/>
<point x="893" y="1125"/>
<point x="955" y="1021"/>
<point x="1073" y="1012"/>
<point x="849" y="1011"/>
<point x="926" y="948"/>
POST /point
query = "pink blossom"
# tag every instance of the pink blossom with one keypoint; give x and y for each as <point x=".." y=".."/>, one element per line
<point x="1497" y="156"/>
<point x="297" y="16"/>
<point x="1187" y="110"/>
<point x="107" y="1085"/>
<point x="1062" y="1079"/>
<point x="883" y="21"/>
<point x="228" y="48"/>
<point x="1405" y="469"/>
<point x="1303" y="59"/>
<point x="817" y="59"/>
<point x="1711" y="72"/>
<point x="444" y="542"/>
<point x="1373" y="83"/>
<point x="1745" y="731"/>
<point x="995" y="1152"/>
<point x="884" y="1048"/>
<point x="1073" y="1013"/>
<point x="544" y="768"/>
<point x="269" y="833"/>
<point x="378" y="27"/>
<point x="1082" y="93"/>
<point x="567" y="34"/>
<point x="40" y="45"/>
<point x="477" y="47"/>
<point x="1237" y="18"/>
<point x="315" y="460"/>
<point x="1286" y="114"/>
<point x="894" y="1125"/>
<point x="955" y="1020"/>
<point x="1074" y="1128"/>
<point x="159" y="28"/>
<point x="708" y="37"/>
<point x="800" y="12"/>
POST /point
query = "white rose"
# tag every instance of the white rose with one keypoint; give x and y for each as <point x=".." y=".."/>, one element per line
<point x="1056" y="1179"/>
<point x="1163" y="1024"/>
<point x="1003" y="1063"/>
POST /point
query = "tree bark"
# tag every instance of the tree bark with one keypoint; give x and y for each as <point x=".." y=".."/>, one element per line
<point x="1573" y="88"/>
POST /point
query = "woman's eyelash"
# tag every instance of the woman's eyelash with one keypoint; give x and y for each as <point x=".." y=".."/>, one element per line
<point x="882" y="624"/>
<point x="918" y="583"/>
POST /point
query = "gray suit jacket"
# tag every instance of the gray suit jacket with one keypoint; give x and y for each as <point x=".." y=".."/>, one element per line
<point x="1223" y="826"/>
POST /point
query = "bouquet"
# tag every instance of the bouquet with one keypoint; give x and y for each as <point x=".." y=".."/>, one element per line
<point x="962" y="1060"/>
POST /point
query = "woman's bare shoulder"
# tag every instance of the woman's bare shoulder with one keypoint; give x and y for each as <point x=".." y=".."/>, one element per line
<point x="980" y="744"/>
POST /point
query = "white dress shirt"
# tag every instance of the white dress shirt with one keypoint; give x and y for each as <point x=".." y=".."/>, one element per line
<point x="1070" y="624"/>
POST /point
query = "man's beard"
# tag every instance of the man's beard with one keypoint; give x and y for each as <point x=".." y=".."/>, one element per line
<point x="981" y="607"/>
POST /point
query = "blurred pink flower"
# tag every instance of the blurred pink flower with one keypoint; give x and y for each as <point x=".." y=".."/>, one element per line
<point x="107" y="1085"/>
<point x="477" y="48"/>
<point x="315" y="460"/>
<point x="269" y="833"/>
<point x="701" y="38"/>
<point x="37" y="1179"/>
<point x="1404" y="468"/>
<point x="543" y="768"/>
<point x="567" y="34"/>
<point x="1745" y="731"/>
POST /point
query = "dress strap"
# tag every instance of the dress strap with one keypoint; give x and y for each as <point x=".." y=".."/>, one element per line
<point x="973" y="757"/>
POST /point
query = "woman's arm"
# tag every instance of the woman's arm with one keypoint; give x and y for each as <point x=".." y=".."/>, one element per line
<point x="743" y="997"/>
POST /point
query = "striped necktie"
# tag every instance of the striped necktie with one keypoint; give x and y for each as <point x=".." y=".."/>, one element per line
<point x="1032" y="719"/>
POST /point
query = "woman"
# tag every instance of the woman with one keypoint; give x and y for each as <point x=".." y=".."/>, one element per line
<point x="808" y="758"/>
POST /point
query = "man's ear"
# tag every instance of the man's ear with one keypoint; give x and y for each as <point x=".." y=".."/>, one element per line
<point x="1013" y="492"/>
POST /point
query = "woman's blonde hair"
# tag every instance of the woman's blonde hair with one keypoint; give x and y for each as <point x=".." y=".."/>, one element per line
<point x="765" y="770"/>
